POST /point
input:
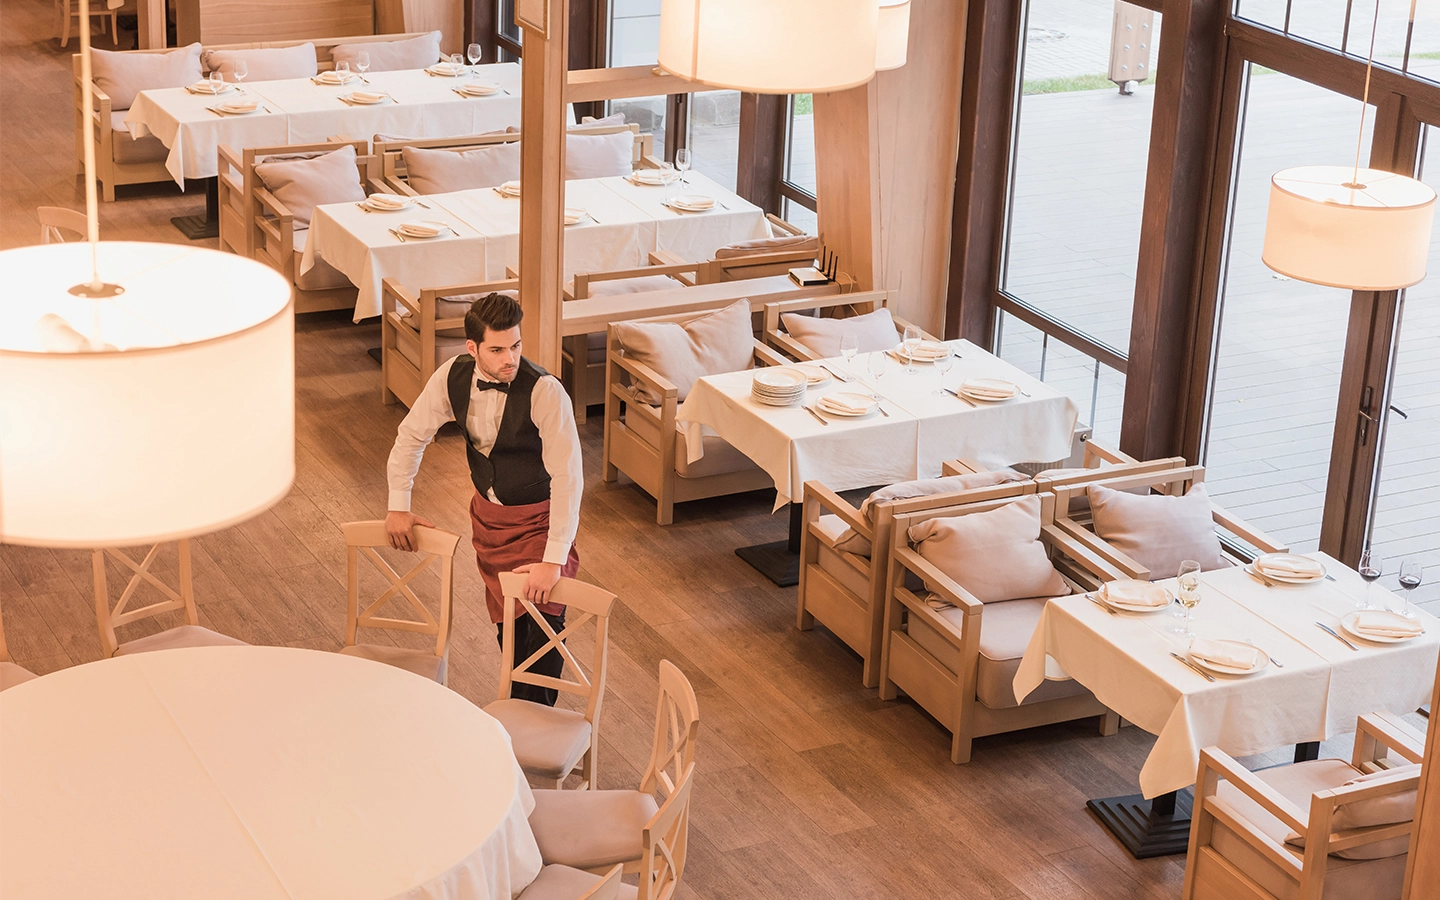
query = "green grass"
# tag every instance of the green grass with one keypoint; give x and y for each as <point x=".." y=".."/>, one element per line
<point x="804" y="104"/>
<point x="1071" y="83"/>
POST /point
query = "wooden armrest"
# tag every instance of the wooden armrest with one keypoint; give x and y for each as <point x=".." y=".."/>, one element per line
<point x="830" y="501"/>
<point x="1269" y="799"/>
<point x="666" y="258"/>
<point x="960" y="467"/>
<point x="688" y="277"/>
<point x="902" y="324"/>
<point x="1087" y="559"/>
<point x="398" y="186"/>
<point x="1242" y="529"/>
<point x="783" y="225"/>
<point x="226" y="154"/>
<point x="1384" y="730"/>
<point x="765" y="356"/>
<point x="647" y="376"/>
<point x="1127" y="567"/>
<point x="936" y="580"/>
<point x="270" y="203"/>
<point x="512" y="273"/>
<point x="391" y="287"/>
<point x="791" y="346"/>
<point x="648" y="161"/>
<point x="1105" y="454"/>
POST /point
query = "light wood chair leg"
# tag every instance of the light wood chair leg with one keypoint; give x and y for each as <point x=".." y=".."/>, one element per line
<point x="65" y="22"/>
<point x="960" y="748"/>
<point x="1109" y="723"/>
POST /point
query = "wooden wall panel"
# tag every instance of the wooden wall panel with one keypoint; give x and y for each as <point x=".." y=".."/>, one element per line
<point x="409" y="16"/>
<point x="239" y="21"/>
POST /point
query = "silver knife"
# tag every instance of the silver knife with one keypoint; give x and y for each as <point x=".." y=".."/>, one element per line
<point x="827" y="368"/>
<point x="1338" y="636"/>
<point x="822" y="420"/>
<point x="1105" y="606"/>
<point x="960" y="397"/>
<point x="1198" y="670"/>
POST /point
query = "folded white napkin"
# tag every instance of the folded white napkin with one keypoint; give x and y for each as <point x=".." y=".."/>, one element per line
<point x="1384" y="624"/>
<point x="446" y="68"/>
<point x="1137" y="593"/>
<point x="931" y="350"/>
<point x="239" y="106"/>
<point x="814" y="374"/>
<point x="333" y="77"/>
<point x="510" y="189"/>
<point x="996" y="388"/>
<point x="1236" y="656"/>
<point x="651" y="176"/>
<point x="389" y="201"/>
<point x="693" y="201"/>
<point x="421" y="229"/>
<point x="1287" y="565"/>
<point x="849" y="404"/>
<point x="479" y="90"/>
<point x="368" y="96"/>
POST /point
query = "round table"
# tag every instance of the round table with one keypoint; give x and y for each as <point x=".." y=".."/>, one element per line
<point x="256" y="772"/>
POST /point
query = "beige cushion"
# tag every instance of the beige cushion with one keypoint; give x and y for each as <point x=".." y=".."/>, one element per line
<point x="447" y="344"/>
<point x="180" y="636"/>
<point x="1387" y="810"/>
<point x="122" y="74"/>
<point x="126" y="149"/>
<point x="548" y="740"/>
<point x="599" y="155"/>
<point x="586" y="829"/>
<point x="853" y="542"/>
<point x="995" y="555"/>
<point x="876" y="331"/>
<point x="603" y="122"/>
<point x="790" y="243"/>
<point x="566" y="883"/>
<point x="614" y="287"/>
<point x="1157" y="531"/>
<point x="320" y="277"/>
<point x="303" y="184"/>
<point x="1345" y="879"/>
<point x="422" y="662"/>
<point x="265" y="63"/>
<point x="387" y="56"/>
<point x="845" y="568"/>
<point x="720" y="457"/>
<point x="442" y="171"/>
<point x="711" y="344"/>
<point x="11" y="675"/>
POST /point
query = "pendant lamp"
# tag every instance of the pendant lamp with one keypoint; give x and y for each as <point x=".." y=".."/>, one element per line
<point x="150" y="404"/>
<point x="892" y="34"/>
<point x="770" y="46"/>
<point x="1350" y="227"/>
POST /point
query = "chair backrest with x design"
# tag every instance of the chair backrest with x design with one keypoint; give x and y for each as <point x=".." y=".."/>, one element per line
<point x="677" y="722"/>
<point x="664" y="842"/>
<point x="361" y="539"/>
<point x="582" y="603"/>
<point x="57" y="221"/>
<point x="181" y="596"/>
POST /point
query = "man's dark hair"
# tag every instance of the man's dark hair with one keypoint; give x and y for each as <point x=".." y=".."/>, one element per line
<point x="497" y="312"/>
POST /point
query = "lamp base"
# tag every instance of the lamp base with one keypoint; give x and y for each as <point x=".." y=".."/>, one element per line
<point x="97" y="291"/>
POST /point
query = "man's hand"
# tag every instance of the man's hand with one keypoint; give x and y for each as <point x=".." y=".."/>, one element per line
<point x="398" y="524"/>
<point x="542" y="580"/>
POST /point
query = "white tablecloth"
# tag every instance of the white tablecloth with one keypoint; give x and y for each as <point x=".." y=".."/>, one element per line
<point x="922" y="431"/>
<point x="1321" y="690"/>
<point x="298" y="111"/>
<point x="256" y="772"/>
<point x="628" y="224"/>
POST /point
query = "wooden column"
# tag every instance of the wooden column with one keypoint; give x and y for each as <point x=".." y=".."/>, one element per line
<point x="1182" y="142"/>
<point x="1422" y="869"/>
<point x="542" y="174"/>
<point x="762" y="149"/>
<point x="845" y="179"/>
<point x="150" y="17"/>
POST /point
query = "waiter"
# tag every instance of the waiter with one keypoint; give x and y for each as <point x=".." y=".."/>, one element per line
<point x="524" y="455"/>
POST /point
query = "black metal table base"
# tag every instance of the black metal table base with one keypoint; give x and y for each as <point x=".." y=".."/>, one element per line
<point x="198" y="228"/>
<point x="1147" y="828"/>
<point x="779" y="561"/>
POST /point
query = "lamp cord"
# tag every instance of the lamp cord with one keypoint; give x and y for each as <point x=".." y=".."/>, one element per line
<point x="87" y="96"/>
<point x="1364" y="100"/>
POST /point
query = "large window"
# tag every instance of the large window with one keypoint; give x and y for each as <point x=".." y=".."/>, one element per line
<point x="797" y="190"/>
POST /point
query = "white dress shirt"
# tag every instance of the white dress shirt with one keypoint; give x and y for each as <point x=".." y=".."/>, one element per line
<point x="552" y="414"/>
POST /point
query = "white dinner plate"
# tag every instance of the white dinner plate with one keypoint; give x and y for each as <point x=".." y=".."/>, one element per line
<point x="335" y="78"/>
<point x="508" y="189"/>
<point x="1221" y="669"/>
<point x="477" y="89"/>
<point x="692" y="203"/>
<point x="424" y="230"/>
<point x="448" y="70"/>
<point x="371" y="203"/>
<point x="825" y="404"/>
<point x="1103" y="595"/>
<point x="1347" y="625"/>
<point x="205" y="87"/>
<point x="574" y="214"/>
<point x="237" y="108"/>
<point x="1288" y="578"/>
<point x="366" y="98"/>
<point x="652" y="177"/>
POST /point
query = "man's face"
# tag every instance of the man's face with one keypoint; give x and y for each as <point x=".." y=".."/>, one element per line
<point x="498" y="356"/>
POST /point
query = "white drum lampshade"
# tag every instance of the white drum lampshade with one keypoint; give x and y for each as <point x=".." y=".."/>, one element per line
<point x="770" y="46"/>
<point x="892" y="35"/>
<point x="165" y="412"/>
<point x="1326" y="228"/>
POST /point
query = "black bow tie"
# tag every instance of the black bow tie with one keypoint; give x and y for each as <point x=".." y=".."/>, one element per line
<point x="501" y="386"/>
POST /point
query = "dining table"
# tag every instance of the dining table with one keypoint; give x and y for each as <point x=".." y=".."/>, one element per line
<point x="302" y="111"/>
<point x="256" y="772"/>
<point x="1314" y="685"/>
<point x="909" y="436"/>
<point x="619" y="222"/>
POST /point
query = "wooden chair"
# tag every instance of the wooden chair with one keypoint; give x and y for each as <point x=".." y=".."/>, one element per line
<point x="594" y="830"/>
<point x="10" y="673"/>
<point x="840" y="306"/>
<point x="55" y="221"/>
<point x="948" y="662"/>
<point x="753" y="259"/>
<point x="361" y="538"/>
<point x="419" y="331"/>
<point x="254" y="223"/>
<point x="66" y="10"/>
<point x="180" y="597"/>
<point x="1166" y="476"/>
<point x="642" y="441"/>
<point x="1247" y="828"/>
<point x="565" y="883"/>
<point x="550" y="742"/>
<point x="125" y="161"/>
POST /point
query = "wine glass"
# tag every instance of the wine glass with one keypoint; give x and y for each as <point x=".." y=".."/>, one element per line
<point x="667" y="178"/>
<point x="1188" y="595"/>
<point x="912" y="343"/>
<point x="849" y="346"/>
<point x="362" y="62"/>
<point x="944" y="364"/>
<point x="242" y="69"/>
<point x="683" y="159"/>
<point x="342" y="71"/>
<point x="1412" y="573"/>
<point x="217" y="81"/>
<point x="457" y="63"/>
<point x="1372" y="566"/>
<point x="876" y="364"/>
<point x="472" y="53"/>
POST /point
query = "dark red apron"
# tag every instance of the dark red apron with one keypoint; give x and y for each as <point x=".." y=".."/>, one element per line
<point x="509" y="536"/>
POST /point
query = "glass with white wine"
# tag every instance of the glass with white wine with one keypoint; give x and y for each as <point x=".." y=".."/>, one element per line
<point x="1188" y="595"/>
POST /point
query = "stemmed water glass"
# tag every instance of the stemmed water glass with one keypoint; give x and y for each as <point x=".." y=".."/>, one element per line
<point x="876" y="365"/>
<point x="1412" y="574"/>
<point x="683" y="159"/>
<point x="362" y="62"/>
<point x="667" y="177"/>
<point x="242" y="68"/>
<point x="1372" y="566"/>
<point x="1189" y="595"/>
<point x="849" y="346"/>
<point x="472" y="53"/>
<point x="217" y="81"/>
<point x="943" y="365"/>
<point x="342" y="71"/>
<point x="912" y="343"/>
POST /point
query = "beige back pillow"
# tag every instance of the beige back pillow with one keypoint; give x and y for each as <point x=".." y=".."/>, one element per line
<point x="388" y="56"/>
<point x="599" y="155"/>
<point x="122" y="74"/>
<point x="440" y="171"/>
<point x="1388" y="810"/>
<point x="790" y="243"/>
<point x="995" y="555"/>
<point x="265" y="63"/>
<point x="876" y="331"/>
<point x="682" y="354"/>
<point x="303" y="184"/>
<point x="852" y="541"/>
<point x="1157" y="531"/>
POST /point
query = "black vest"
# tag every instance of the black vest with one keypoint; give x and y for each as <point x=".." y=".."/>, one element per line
<point x="514" y="468"/>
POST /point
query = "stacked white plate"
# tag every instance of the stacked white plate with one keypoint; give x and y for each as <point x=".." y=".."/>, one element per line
<point x="477" y="89"/>
<point x="1288" y="568"/>
<point x="987" y="390"/>
<point x="509" y="189"/>
<point x="778" y="386"/>
<point x="691" y="202"/>
<point x="847" y="405"/>
<point x="925" y="352"/>
<point x="388" y="202"/>
<point x="1381" y="626"/>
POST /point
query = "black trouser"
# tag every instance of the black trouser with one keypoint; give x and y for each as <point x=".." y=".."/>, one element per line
<point x="528" y="638"/>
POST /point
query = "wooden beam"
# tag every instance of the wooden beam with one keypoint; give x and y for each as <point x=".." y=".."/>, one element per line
<point x="586" y="85"/>
<point x="150" y="19"/>
<point x="761" y="165"/>
<point x="845" y="179"/>
<point x="542" y="176"/>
